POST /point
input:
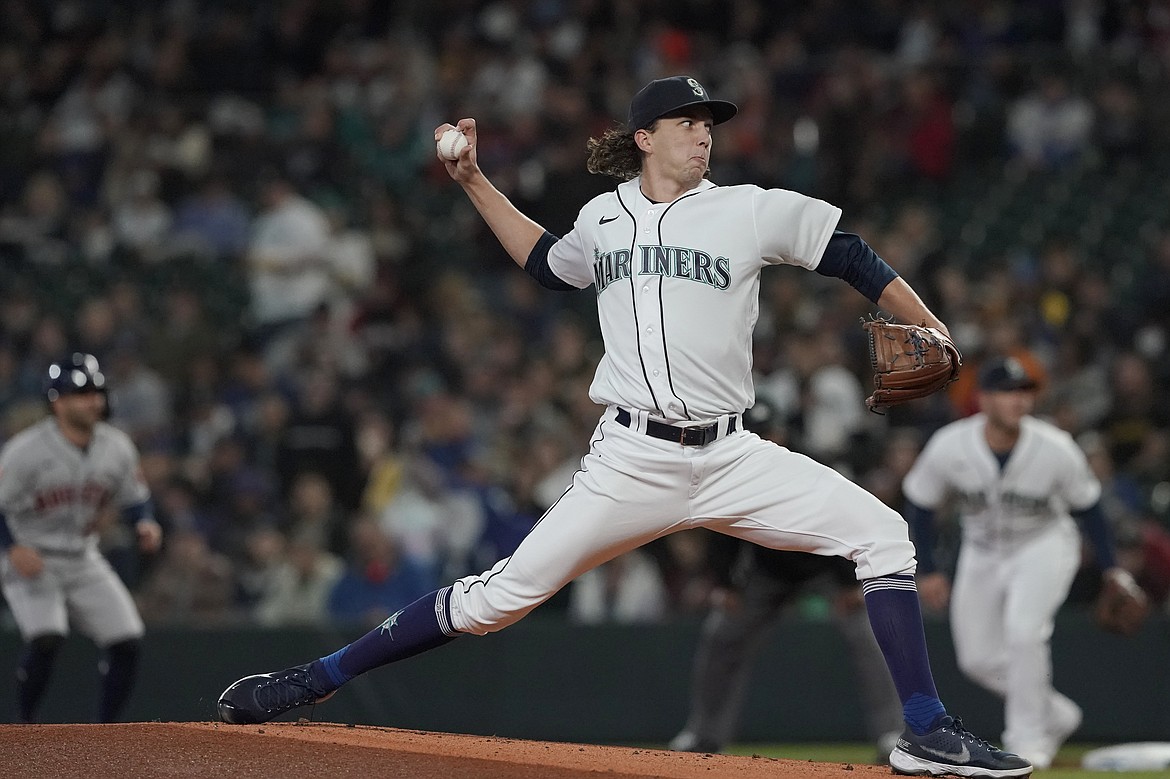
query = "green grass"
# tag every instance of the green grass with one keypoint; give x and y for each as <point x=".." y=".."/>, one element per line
<point x="1067" y="764"/>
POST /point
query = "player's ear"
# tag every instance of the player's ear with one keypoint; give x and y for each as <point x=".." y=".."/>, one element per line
<point x="643" y="140"/>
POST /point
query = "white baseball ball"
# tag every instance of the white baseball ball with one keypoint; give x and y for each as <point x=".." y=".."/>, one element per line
<point x="450" y="144"/>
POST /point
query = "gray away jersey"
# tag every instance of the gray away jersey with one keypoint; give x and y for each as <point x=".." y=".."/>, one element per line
<point x="53" y="493"/>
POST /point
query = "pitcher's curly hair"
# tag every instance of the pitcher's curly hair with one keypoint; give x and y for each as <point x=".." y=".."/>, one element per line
<point x="616" y="154"/>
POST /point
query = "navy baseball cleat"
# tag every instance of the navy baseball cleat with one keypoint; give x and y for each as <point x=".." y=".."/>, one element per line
<point x="952" y="750"/>
<point x="259" y="698"/>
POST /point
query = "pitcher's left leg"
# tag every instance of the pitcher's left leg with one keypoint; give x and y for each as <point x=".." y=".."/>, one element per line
<point x="784" y="500"/>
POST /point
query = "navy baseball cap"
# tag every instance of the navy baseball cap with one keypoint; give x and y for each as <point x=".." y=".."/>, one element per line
<point x="1005" y="374"/>
<point x="664" y="95"/>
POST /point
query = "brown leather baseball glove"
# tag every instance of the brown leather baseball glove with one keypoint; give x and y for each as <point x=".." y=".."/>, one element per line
<point x="909" y="362"/>
<point x="1122" y="605"/>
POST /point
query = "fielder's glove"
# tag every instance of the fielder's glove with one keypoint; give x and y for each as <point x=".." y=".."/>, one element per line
<point x="909" y="362"/>
<point x="1122" y="605"/>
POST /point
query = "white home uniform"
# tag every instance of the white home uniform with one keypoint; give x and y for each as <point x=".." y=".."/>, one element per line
<point x="1019" y="552"/>
<point x="53" y="495"/>
<point x="677" y="286"/>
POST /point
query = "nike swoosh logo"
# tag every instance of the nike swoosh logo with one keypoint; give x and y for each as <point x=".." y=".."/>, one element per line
<point x="606" y="219"/>
<point x="963" y="756"/>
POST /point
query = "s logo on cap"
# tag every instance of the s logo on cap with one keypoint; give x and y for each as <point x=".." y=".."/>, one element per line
<point x="697" y="88"/>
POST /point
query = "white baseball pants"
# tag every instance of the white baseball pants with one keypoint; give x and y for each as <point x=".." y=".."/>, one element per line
<point x="632" y="489"/>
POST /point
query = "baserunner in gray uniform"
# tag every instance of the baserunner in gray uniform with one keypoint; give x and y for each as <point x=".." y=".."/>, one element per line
<point x="59" y="479"/>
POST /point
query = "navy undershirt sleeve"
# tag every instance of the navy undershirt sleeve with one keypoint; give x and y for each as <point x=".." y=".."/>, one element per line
<point x="537" y="264"/>
<point x="6" y="539"/>
<point x="1096" y="528"/>
<point x="850" y="258"/>
<point x="132" y="515"/>
<point x="921" y="521"/>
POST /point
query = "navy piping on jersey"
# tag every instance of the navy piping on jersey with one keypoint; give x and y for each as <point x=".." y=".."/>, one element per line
<point x="483" y="580"/>
<point x="634" y="301"/>
<point x="662" y="311"/>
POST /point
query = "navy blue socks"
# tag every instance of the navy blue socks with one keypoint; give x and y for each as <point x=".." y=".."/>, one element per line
<point x="423" y="625"/>
<point x="32" y="675"/>
<point x="896" y="619"/>
<point x="891" y="601"/>
<point x="118" y="670"/>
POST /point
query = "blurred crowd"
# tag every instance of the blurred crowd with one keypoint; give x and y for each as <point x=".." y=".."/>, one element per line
<point x="343" y="391"/>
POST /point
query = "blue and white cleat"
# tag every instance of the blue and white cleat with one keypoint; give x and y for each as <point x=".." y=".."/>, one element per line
<point x="952" y="750"/>
<point x="259" y="698"/>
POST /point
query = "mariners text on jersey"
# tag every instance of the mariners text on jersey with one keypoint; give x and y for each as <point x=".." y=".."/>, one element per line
<point x="675" y="262"/>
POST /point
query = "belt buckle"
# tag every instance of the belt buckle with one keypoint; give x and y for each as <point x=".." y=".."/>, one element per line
<point x="699" y="436"/>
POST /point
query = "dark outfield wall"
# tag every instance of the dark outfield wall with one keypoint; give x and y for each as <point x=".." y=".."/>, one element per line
<point x="542" y="679"/>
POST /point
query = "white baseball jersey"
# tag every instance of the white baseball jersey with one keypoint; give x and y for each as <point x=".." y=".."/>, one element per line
<point x="1046" y="476"/>
<point x="678" y="288"/>
<point x="52" y="492"/>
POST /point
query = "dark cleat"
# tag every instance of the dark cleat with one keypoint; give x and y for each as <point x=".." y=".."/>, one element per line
<point x="259" y="698"/>
<point x="951" y="750"/>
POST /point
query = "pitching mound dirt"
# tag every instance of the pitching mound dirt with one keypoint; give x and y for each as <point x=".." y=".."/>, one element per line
<point x="162" y="750"/>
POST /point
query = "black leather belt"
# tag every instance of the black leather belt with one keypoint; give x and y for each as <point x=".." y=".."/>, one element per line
<point x="697" y="435"/>
<point x="61" y="552"/>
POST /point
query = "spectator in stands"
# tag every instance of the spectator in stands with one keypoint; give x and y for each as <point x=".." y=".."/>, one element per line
<point x="97" y="327"/>
<point x="286" y="260"/>
<point x="433" y="522"/>
<point x="181" y="335"/>
<point x="256" y="572"/>
<point x="299" y="590"/>
<point x="190" y="585"/>
<point x="139" y="398"/>
<point x="1136" y="411"/>
<point x="179" y="509"/>
<point x="1050" y="126"/>
<point x="319" y="436"/>
<point x="141" y="219"/>
<point x="627" y="590"/>
<point x="213" y="220"/>
<point x="376" y="579"/>
<point x="39" y="223"/>
<point x="821" y="400"/>
<point x="314" y="515"/>
<point x="1121" y="130"/>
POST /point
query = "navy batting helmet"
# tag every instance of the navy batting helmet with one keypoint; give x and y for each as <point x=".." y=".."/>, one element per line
<point x="79" y="372"/>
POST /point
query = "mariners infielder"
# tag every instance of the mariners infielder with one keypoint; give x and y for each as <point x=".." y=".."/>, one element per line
<point x="675" y="262"/>
<point x="58" y="479"/>
<point x="1014" y="479"/>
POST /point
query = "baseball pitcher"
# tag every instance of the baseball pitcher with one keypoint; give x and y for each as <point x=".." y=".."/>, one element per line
<point x="675" y="263"/>
<point x="58" y="480"/>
